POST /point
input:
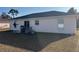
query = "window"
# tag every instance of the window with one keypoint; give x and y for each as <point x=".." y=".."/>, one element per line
<point x="36" y="22"/>
<point x="60" y="23"/>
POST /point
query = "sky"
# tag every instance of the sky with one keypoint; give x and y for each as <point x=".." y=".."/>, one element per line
<point x="29" y="10"/>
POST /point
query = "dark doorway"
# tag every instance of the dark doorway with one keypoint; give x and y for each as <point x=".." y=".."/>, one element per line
<point x="26" y="24"/>
<point x="25" y="27"/>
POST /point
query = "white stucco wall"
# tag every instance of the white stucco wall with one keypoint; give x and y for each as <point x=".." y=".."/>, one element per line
<point x="50" y="24"/>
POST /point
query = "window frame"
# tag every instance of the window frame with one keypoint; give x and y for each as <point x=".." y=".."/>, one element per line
<point x="36" y="22"/>
<point x="60" y="24"/>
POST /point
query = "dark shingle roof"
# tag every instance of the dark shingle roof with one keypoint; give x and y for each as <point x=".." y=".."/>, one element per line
<point x="43" y="14"/>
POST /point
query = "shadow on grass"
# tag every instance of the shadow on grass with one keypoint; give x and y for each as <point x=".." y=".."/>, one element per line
<point x="34" y="42"/>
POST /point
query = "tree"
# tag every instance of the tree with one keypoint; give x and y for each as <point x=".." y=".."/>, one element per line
<point x="72" y="11"/>
<point x="13" y="12"/>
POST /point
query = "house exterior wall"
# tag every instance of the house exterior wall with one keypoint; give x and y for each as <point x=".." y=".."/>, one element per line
<point x="49" y="24"/>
